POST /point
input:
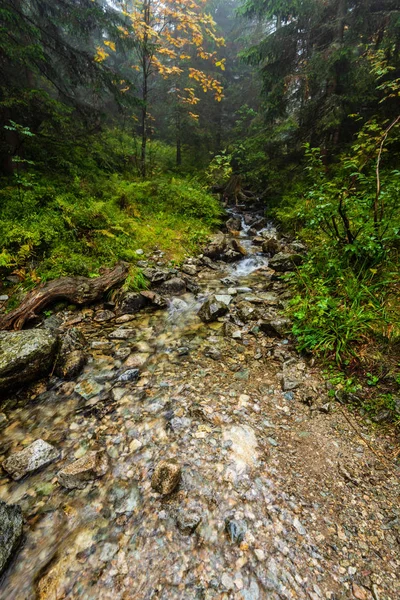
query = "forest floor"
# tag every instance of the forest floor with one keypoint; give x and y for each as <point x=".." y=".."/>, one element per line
<point x="284" y="493"/>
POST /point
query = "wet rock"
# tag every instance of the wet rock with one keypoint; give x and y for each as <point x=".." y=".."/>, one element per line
<point x="173" y="287"/>
<point x="188" y="520"/>
<point x="271" y="246"/>
<point x="155" y="299"/>
<point x="122" y="353"/>
<point x="213" y="353"/>
<point x="3" y="420"/>
<point x="234" y="224"/>
<point x="132" y="303"/>
<point x="101" y="316"/>
<point x="258" y="240"/>
<point x="25" y="356"/>
<point x="128" y="375"/>
<point x="275" y="327"/>
<point x="236" y="529"/>
<point x="289" y="383"/>
<point x="216" y="247"/>
<point x="283" y="262"/>
<point x="33" y="457"/>
<point x="238" y="247"/>
<point x="102" y="346"/>
<point x="189" y="269"/>
<point x="166" y="477"/>
<point x="156" y="276"/>
<point x="78" y="474"/>
<point x="10" y="532"/>
<point x="71" y="365"/>
<point x="231" y="255"/>
<point x="73" y="339"/>
<point x="212" y="309"/>
<point x="192" y="286"/>
<point x="88" y="388"/>
<point x="137" y="360"/>
<point x="122" y="334"/>
<point x="124" y="319"/>
<point x="247" y="311"/>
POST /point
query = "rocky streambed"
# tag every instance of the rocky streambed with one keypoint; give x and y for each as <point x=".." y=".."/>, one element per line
<point x="179" y="448"/>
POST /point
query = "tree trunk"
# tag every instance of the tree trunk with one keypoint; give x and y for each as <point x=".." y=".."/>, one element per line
<point x="78" y="290"/>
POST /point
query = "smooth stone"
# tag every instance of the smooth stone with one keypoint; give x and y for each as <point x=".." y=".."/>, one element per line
<point x="33" y="457"/>
<point x="10" y="532"/>
<point x="79" y="473"/>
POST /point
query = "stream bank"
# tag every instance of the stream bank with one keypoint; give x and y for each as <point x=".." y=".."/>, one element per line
<point x="277" y="495"/>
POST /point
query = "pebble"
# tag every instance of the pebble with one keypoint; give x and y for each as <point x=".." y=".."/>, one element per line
<point x="35" y="456"/>
<point x="166" y="477"/>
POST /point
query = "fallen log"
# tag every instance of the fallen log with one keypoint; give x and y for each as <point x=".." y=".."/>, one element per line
<point x="77" y="290"/>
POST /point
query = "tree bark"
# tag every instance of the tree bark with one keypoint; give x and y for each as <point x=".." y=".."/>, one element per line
<point x="78" y="290"/>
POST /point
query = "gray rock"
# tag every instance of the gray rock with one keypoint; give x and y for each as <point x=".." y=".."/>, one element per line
<point x="10" y="532"/>
<point x="122" y="334"/>
<point x="275" y="327"/>
<point x="87" y="468"/>
<point x="3" y="298"/>
<point x="216" y="248"/>
<point x="155" y="299"/>
<point x="25" y="356"/>
<point x="188" y="520"/>
<point x="212" y="309"/>
<point x="73" y="339"/>
<point x="122" y="353"/>
<point x="71" y="365"/>
<point x="283" y="262"/>
<point x="156" y="276"/>
<point x="236" y="529"/>
<point x="213" y="353"/>
<point x="132" y="303"/>
<point x="128" y="375"/>
<point x="289" y="384"/>
<point x="166" y="477"/>
<point x="189" y="269"/>
<point x="101" y="316"/>
<point x="173" y="287"/>
<point x="33" y="457"/>
<point x="224" y="298"/>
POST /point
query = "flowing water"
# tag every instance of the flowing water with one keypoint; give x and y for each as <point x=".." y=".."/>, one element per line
<point x="198" y="401"/>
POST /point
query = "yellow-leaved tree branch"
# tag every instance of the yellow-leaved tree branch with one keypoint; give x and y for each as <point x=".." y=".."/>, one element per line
<point x="168" y="36"/>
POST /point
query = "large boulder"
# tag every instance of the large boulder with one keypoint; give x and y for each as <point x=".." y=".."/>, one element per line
<point x="283" y="262"/>
<point x="25" y="356"/>
<point x="10" y="532"/>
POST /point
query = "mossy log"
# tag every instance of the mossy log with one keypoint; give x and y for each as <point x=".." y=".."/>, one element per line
<point x="77" y="290"/>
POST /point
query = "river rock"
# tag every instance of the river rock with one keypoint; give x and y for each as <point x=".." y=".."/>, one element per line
<point x="275" y="327"/>
<point x="156" y="276"/>
<point x="238" y="247"/>
<point x="128" y="375"/>
<point x="173" y="287"/>
<point x="188" y="520"/>
<point x="236" y="529"/>
<point x="25" y="356"/>
<point x="73" y="339"/>
<point x="166" y="477"/>
<point x="77" y="474"/>
<point x="154" y="299"/>
<point x="132" y="303"/>
<point x="71" y="365"/>
<point x="283" y="262"/>
<point x="102" y="316"/>
<point x="216" y="247"/>
<point x="234" y="224"/>
<point x="271" y="246"/>
<point x="189" y="269"/>
<point x="88" y="388"/>
<point x="33" y="457"/>
<point x="10" y="532"/>
<point x="212" y="309"/>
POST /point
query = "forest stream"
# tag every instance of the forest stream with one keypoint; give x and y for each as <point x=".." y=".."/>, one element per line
<point x="278" y="494"/>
